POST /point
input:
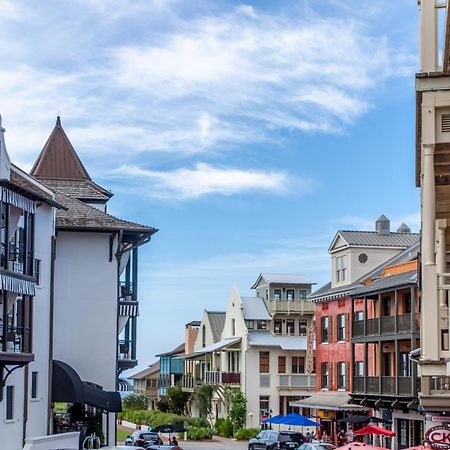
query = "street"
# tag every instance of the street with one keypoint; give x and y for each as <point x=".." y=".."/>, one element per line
<point x="216" y="443"/>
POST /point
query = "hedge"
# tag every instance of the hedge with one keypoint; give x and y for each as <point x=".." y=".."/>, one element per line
<point x="245" y="434"/>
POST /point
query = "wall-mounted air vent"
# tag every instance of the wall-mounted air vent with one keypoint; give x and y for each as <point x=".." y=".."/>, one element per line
<point x="445" y="123"/>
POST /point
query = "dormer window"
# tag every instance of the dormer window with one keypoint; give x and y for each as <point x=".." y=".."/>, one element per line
<point x="277" y="294"/>
<point x="341" y="267"/>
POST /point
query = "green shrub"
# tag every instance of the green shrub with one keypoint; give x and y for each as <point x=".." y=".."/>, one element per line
<point x="224" y="428"/>
<point x="199" y="422"/>
<point x="246" y="433"/>
<point x="199" y="433"/>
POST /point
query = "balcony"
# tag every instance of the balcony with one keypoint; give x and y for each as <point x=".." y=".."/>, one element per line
<point x="384" y="386"/>
<point x="215" y="378"/>
<point x="404" y="323"/>
<point x="291" y="307"/>
<point x="297" y="381"/>
<point x="126" y="354"/>
<point x="435" y="393"/>
<point x="127" y="291"/>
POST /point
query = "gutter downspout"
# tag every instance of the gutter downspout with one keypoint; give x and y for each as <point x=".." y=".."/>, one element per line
<point x="50" y="336"/>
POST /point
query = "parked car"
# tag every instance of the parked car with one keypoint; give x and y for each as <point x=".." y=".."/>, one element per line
<point x="162" y="447"/>
<point x="271" y="439"/>
<point x="143" y="439"/>
<point x="127" y="447"/>
<point x="317" y="445"/>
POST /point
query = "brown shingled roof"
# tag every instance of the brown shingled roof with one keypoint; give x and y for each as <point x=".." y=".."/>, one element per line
<point x="80" y="189"/>
<point x="58" y="158"/>
<point x="83" y="217"/>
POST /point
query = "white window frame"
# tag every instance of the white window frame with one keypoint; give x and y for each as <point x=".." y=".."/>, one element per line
<point x="341" y="268"/>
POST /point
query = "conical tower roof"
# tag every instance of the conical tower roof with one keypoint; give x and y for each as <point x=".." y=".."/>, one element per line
<point x="58" y="159"/>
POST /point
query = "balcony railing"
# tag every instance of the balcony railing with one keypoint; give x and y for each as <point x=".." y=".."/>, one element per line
<point x="386" y="325"/>
<point x="126" y="291"/>
<point x="302" y="381"/>
<point x="18" y="340"/>
<point x="291" y="306"/>
<point x="384" y="385"/>
<point x="213" y="378"/>
<point x="126" y="350"/>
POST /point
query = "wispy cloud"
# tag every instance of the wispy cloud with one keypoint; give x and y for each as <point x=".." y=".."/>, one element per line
<point x="205" y="179"/>
<point x="207" y="81"/>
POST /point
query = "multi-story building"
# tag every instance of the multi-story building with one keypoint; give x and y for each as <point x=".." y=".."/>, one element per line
<point x="146" y="383"/>
<point x="265" y="348"/>
<point x="433" y="178"/>
<point x="355" y="256"/>
<point x="171" y="369"/>
<point x="94" y="283"/>
<point x="387" y="328"/>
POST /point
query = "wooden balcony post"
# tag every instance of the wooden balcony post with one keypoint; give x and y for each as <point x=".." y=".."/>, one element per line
<point x="396" y="310"/>
<point x="380" y="364"/>
<point x="366" y="364"/>
<point x="365" y="316"/>
<point x="396" y="364"/>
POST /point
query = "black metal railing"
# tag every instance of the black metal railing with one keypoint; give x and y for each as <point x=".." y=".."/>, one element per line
<point x="386" y="325"/>
<point x="126" y="349"/>
<point x="384" y="385"/>
<point x="19" y="260"/>
<point x="126" y="290"/>
<point x="17" y="340"/>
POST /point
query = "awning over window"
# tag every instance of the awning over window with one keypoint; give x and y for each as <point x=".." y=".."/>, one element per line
<point x="128" y="309"/>
<point x="18" y="285"/>
<point x="13" y="198"/>
<point x="331" y="401"/>
<point x="67" y="386"/>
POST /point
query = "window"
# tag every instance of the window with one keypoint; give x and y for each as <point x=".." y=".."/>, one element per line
<point x="277" y="294"/>
<point x="408" y="306"/>
<point x="363" y="258"/>
<point x="387" y="365"/>
<point x="302" y="293"/>
<point x="341" y="267"/>
<point x="267" y="294"/>
<point x="359" y="368"/>
<point x="263" y="362"/>
<point x="325" y="324"/>
<point x="233" y="327"/>
<point x="298" y="364"/>
<point x="341" y="327"/>
<point x="386" y="305"/>
<point x="261" y="324"/>
<point x="264" y="405"/>
<point x="290" y="326"/>
<point x="290" y="294"/>
<point x="277" y="324"/>
<point x="405" y="365"/>
<point x="203" y="336"/>
<point x="324" y="373"/>
<point x="9" y="403"/>
<point x="250" y="324"/>
<point x="34" y="385"/>
<point x="282" y="364"/>
<point x="37" y="271"/>
<point x="359" y="315"/>
<point x="302" y="327"/>
<point x="341" y="375"/>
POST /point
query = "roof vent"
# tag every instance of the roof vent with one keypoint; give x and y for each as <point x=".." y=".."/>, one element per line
<point x="403" y="228"/>
<point x="383" y="225"/>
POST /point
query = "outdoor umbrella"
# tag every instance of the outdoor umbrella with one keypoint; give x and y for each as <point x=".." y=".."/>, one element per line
<point x="375" y="429"/>
<point x="360" y="446"/>
<point x="299" y="420"/>
<point x="419" y="447"/>
<point x="170" y="428"/>
<point x="275" y="419"/>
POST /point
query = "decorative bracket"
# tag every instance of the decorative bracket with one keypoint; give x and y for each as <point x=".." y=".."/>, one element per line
<point x="3" y="377"/>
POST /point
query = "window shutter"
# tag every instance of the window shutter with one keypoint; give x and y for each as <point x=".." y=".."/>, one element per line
<point x="331" y="329"/>
<point x="319" y="331"/>
<point x="330" y="376"/>
<point x="347" y="327"/>
<point x="347" y="376"/>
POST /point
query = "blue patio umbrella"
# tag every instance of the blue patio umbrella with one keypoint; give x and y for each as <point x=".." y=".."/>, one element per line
<point x="299" y="420"/>
<point x="275" y="419"/>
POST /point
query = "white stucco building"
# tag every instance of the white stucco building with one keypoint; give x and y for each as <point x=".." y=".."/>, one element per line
<point x="266" y="348"/>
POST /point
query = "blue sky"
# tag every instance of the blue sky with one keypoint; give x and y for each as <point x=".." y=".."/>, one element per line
<point x="247" y="132"/>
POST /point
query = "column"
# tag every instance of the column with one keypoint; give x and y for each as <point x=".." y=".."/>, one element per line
<point x="396" y="310"/>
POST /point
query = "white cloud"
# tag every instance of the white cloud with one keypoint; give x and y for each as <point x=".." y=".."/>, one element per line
<point x="205" y="179"/>
<point x="9" y="10"/>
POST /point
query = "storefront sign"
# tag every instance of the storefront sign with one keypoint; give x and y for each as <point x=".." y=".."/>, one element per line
<point x="438" y="437"/>
<point x="324" y="414"/>
<point x="440" y="418"/>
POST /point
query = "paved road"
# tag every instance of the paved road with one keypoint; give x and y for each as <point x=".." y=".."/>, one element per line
<point x="215" y="444"/>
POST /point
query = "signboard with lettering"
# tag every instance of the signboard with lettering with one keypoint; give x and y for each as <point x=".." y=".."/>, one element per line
<point x="438" y="437"/>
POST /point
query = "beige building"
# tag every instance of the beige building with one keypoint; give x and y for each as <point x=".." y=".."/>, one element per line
<point x="146" y="383"/>
<point x="263" y="345"/>
<point x="433" y="178"/>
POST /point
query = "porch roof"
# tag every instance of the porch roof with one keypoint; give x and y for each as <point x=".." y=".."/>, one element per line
<point x="332" y="401"/>
<point x="224" y="343"/>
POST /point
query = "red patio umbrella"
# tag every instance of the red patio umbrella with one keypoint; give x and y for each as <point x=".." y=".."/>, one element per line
<point x="419" y="447"/>
<point x="360" y="446"/>
<point x="375" y="429"/>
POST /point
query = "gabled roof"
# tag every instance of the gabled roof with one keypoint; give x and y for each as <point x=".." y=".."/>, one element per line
<point x="255" y="309"/>
<point x="374" y="239"/>
<point x="82" y="217"/>
<point x="178" y="351"/>
<point x="151" y="370"/>
<point x="281" y="278"/>
<point x="58" y="159"/>
<point x="216" y="322"/>
<point x="326" y="292"/>
<point x="224" y="343"/>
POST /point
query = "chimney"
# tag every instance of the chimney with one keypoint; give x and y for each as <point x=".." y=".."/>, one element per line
<point x="383" y="225"/>
<point x="191" y="332"/>
<point x="403" y="228"/>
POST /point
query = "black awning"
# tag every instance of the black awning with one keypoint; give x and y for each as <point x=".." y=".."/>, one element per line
<point x="363" y="419"/>
<point x="67" y="386"/>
